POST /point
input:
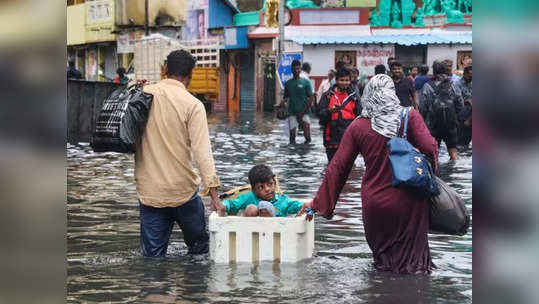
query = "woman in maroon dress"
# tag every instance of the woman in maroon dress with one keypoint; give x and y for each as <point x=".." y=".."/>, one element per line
<point x="396" y="220"/>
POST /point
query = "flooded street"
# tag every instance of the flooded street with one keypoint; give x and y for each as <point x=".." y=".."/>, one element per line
<point x="105" y="264"/>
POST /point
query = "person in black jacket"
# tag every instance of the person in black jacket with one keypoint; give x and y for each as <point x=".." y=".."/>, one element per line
<point x="338" y="107"/>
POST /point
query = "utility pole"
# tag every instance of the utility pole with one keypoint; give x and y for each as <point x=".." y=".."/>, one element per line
<point x="147" y="17"/>
<point x="280" y="47"/>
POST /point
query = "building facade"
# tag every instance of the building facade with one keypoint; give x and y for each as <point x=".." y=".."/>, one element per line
<point x="353" y="31"/>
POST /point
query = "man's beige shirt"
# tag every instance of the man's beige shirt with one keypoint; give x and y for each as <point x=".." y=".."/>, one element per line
<point x="176" y="132"/>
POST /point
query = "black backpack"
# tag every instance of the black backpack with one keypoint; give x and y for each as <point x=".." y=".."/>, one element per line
<point x="442" y="115"/>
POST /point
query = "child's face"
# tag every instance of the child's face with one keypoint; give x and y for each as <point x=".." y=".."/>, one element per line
<point x="265" y="190"/>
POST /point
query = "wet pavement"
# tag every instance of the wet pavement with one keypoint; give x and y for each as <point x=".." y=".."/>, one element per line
<point x="105" y="264"/>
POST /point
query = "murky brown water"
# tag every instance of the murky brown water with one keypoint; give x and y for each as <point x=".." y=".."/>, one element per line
<point x="105" y="264"/>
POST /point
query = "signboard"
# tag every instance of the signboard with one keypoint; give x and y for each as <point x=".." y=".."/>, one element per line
<point x="125" y="43"/>
<point x="370" y="56"/>
<point x="285" y="66"/>
<point x="99" y="11"/>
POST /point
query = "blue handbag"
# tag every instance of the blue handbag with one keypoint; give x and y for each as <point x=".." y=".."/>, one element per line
<point x="410" y="167"/>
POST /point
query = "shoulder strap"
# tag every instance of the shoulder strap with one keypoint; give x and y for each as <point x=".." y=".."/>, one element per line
<point x="347" y="100"/>
<point x="404" y="115"/>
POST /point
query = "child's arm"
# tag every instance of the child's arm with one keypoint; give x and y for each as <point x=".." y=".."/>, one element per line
<point x="234" y="205"/>
<point x="293" y="206"/>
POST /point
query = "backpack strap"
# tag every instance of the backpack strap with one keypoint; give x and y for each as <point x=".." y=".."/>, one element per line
<point x="347" y="99"/>
<point x="404" y="115"/>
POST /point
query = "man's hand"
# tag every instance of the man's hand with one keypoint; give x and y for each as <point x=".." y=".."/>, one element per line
<point x="309" y="217"/>
<point x="216" y="204"/>
<point x="299" y="117"/>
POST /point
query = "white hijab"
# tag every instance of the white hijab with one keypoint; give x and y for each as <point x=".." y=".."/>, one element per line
<point x="382" y="106"/>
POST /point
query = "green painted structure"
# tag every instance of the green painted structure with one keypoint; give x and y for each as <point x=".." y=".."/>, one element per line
<point x="399" y="13"/>
<point x="391" y="13"/>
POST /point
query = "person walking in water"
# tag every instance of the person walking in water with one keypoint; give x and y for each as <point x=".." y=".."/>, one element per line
<point x="167" y="183"/>
<point x="440" y="104"/>
<point x="396" y="220"/>
<point x="338" y="107"/>
<point x="298" y="95"/>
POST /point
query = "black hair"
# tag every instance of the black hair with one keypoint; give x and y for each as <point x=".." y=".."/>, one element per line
<point x="339" y="65"/>
<point x="120" y="71"/>
<point x="467" y="69"/>
<point x="423" y="69"/>
<point x="260" y="174"/>
<point x="379" y="69"/>
<point x="306" y="67"/>
<point x="180" y="63"/>
<point x="343" y="72"/>
<point x="71" y="63"/>
<point x="390" y="58"/>
<point x="356" y="70"/>
<point x="395" y="63"/>
<point x="438" y="68"/>
<point x="296" y="63"/>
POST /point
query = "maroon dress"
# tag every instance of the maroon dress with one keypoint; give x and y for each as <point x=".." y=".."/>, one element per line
<point x="396" y="220"/>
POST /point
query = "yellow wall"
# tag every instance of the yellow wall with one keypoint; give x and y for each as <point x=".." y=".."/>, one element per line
<point x="76" y="24"/>
<point x="100" y="21"/>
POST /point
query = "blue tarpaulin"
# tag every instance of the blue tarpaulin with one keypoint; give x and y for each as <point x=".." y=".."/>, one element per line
<point x="418" y="39"/>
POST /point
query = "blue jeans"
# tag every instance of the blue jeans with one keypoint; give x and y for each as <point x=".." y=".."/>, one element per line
<point x="156" y="226"/>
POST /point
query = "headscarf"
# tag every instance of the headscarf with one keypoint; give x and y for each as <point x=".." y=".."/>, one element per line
<point x="381" y="104"/>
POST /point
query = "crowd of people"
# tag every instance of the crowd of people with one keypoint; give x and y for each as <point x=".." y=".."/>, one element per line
<point x="443" y="99"/>
<point x="74" y="73"/>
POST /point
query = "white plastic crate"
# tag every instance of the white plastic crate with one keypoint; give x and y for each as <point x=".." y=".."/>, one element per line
<point x="236" y="239"/>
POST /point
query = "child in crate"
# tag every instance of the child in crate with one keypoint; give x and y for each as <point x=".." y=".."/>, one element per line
<point x="262" y="199"/>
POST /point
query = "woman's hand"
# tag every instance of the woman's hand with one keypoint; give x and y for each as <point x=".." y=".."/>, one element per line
<point x="308" y="217"/>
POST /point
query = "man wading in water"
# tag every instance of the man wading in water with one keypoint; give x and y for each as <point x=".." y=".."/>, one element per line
<point x="167" y="184"/>
<point x="299" y="94"/>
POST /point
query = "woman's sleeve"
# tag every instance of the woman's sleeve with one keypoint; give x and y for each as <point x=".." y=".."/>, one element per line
<point x="337" y="172"/>
<point x="419" y="136"/>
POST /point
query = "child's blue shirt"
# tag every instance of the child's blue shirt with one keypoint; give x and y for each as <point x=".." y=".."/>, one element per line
<point x="283" y="204"/>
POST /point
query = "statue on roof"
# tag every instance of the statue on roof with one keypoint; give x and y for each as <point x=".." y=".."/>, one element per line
<point x="453" y="15"/>
<point x="292" y="4"/>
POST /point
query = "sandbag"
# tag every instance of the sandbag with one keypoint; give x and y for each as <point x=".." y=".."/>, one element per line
<point x="122" y="120"/>
<point x="448" y="213"/>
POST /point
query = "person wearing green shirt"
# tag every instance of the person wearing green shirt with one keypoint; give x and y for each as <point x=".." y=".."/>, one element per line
<point x="298" y="95"/>
<point x="262" y="200"/>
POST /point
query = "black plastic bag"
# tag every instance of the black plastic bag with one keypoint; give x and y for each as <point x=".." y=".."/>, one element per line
<point x="448" y="214"/>
<point x="122" y="120"/>
<point x="282" y="112"/>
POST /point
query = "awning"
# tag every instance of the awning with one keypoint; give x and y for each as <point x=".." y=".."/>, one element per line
<point x="407" y="40"/>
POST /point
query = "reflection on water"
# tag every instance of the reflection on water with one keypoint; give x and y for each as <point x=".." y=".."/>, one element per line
<point x="105" y="265"/>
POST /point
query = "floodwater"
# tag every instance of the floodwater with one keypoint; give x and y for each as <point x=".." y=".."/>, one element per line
<point x="105" y="264"/>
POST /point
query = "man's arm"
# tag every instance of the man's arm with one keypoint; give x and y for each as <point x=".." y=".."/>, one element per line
<point x="216" y="204"/>
<point x="459" y="101"/>
<point x="197" y="128"/>
<point x="413" y="94"/>
<point x="414" y="100"/>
